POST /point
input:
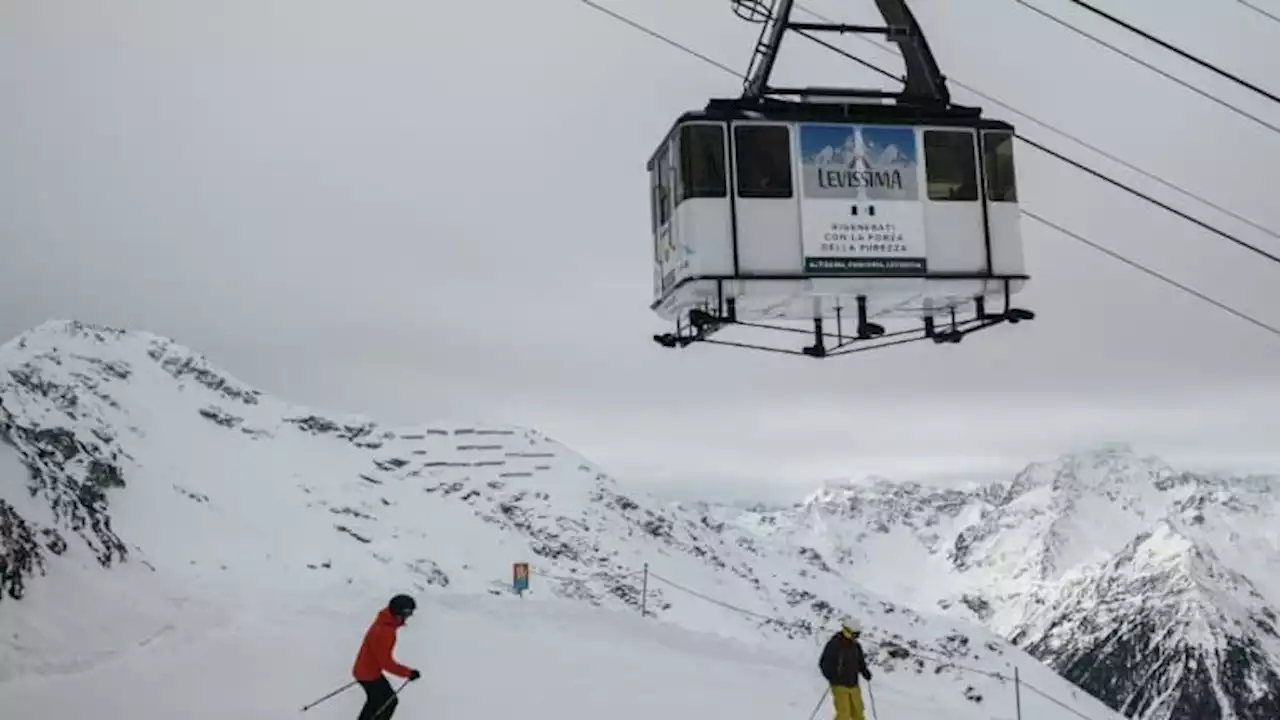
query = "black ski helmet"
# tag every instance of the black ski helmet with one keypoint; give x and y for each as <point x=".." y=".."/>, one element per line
<point x="402" y="606"/>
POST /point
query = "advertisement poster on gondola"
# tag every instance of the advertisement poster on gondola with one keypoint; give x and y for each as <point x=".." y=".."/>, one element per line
<point x="860" y="205"/>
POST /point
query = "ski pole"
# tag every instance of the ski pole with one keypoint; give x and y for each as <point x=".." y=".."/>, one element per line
<point x="390" y="700"/>
<point x="326" y="697"/>
<point x="818" y="707"/>
<point x="872" y="696"/>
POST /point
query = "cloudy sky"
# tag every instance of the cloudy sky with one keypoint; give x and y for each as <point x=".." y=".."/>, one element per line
<point x="423" y="210"/>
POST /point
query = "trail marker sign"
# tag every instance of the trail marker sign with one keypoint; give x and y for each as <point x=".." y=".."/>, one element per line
<point x="520" y="577"/>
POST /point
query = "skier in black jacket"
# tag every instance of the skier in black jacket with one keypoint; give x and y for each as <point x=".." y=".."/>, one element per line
<point x="842" y="663"/>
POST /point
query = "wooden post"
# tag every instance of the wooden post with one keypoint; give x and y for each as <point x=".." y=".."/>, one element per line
<point x="644" y="591"/>
<point x="1017" y="692"/>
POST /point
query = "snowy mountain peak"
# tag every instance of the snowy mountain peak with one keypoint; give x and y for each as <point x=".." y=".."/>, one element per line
<point x="136" y="473"/>
<point x="1153" y="588"/>
<point x="1165" y="630"/>
<point x="878" y="493"/>
<point x="835" y="489"/>
<point x="1112" y="468"/>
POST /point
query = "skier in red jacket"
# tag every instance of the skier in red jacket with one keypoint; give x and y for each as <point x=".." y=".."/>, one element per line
<point x="376" y="656"/>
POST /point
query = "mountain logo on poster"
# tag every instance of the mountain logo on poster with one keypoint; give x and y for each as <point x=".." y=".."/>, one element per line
<point x="844" y="165"/>
<point x="852" y="162"/>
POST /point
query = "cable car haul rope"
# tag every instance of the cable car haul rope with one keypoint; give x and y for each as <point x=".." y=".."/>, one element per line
<point x="843" y="208"/>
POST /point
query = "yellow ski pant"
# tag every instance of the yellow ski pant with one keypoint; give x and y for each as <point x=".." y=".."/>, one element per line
<point x="848" y="702"/>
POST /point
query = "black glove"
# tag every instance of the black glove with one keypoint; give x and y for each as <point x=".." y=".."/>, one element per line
<point x="414" y="674"/>
<point x="866" y="674"/>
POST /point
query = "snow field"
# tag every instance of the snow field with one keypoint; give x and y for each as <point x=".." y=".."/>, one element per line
<point x="481" y="656"/>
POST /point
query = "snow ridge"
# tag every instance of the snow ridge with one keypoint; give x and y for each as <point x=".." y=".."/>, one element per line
<point x="180" y="498"/>
<point x="1157" y="603"/>
<point x="1153" y="589"/>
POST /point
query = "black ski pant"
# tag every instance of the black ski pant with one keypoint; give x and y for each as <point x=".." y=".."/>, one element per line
<point x="378" y="693"/>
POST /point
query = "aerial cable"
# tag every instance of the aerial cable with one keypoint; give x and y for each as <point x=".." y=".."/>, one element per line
<point x="665" y="39"/>
<point x="1189" y="218"/>
<point x="1260" y="11"/>
<point x="1108" y="179"/>
<point x="849" y="55"/>
<point x="1179" y="51"/>
<point x="1149" y="66"/>
<point x="1163" y="278"/>
<point x="1067" y="233"/>
<point x="1049" y="126"/>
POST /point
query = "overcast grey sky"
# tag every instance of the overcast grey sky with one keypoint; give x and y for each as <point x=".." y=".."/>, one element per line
<point x="426" y="210"/>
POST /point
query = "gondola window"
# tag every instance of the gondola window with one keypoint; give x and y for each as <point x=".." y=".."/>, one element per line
<point x="762" y="154"/>
<point x="950" y="166"/>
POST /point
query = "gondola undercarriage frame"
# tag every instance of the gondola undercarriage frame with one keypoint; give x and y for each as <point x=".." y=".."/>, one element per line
<point x="701" y="325"/>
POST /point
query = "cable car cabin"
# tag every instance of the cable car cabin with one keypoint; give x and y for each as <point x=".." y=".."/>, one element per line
<point x="792" y="214"/>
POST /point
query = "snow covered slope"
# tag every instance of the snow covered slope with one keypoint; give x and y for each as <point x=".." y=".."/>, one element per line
<point x="481" y="657"/>
<point x="154" y="506"/>
<point x="1155" y="590"/>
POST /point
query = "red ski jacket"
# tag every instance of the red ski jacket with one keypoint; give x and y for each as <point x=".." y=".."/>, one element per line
<point x="375" y="656"/>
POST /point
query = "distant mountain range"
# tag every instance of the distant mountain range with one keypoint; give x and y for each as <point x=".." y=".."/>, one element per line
<point x="136" y="475"/>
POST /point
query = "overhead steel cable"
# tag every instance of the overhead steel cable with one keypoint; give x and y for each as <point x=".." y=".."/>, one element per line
<point x="1178" y="51"/>
<point x="1132" y="263"/>
<point x="1085" y="168"/>
<point x="1163" y="278"/>
<point x="624" y="19"/>
<point x="1260" y="11"/>
<point x="1102" y="176"/>
<point x="1133" y="191"/>
<point x="836" y="49"/>
<point x="1149" y="66"/>
<point x="1049" y="126"/>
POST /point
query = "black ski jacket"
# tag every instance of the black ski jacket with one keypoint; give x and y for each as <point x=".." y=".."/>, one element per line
<point x="843" y="661"/>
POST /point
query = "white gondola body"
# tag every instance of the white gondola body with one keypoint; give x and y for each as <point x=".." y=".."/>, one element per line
<point x="801" y="218"/>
